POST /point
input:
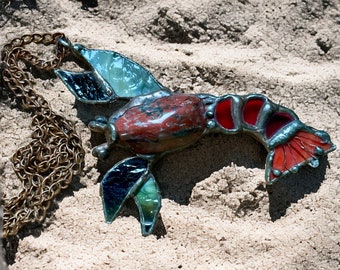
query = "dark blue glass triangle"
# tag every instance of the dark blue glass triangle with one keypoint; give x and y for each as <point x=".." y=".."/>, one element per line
<point x="120" y="183"/>
<point x="85" y="86"/>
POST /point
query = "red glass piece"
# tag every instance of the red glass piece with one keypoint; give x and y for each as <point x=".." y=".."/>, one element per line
<point x="279" y="158"/>
<point x="292" y="157"/>
<point x="313" y="140"/>
<point x="296" y="145"/>
<point x="164" y="124"/>
<point x="276" y="122"/>
<point x="251" y="110"/>
<point x="223" y="114"/>
<point x="296" y="151"/>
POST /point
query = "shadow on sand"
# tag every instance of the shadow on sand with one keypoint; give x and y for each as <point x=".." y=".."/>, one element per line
<point x="178" y="172"/>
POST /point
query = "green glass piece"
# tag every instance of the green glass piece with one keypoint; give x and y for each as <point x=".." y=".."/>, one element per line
<point x="126" y="77"/>
<point x="148" y="200"/>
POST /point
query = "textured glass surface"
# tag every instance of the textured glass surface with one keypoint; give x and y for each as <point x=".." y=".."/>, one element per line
<point x="120" y="183"/>
<point x="83" y="85"/>
<point x="126" y="77"/>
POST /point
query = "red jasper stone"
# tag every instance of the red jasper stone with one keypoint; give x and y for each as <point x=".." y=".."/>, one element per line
<point x="223" y="114"/>
<point x="251" y="110"/>
<point x="167" y="123"/>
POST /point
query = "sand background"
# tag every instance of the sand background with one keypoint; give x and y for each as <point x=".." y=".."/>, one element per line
<point x="217" y="212"/>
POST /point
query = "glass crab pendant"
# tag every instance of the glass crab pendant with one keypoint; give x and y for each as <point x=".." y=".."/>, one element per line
<point x="156" y="121"/>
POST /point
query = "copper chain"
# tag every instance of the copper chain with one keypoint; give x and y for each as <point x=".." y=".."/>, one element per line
<point x="47" y="164"/>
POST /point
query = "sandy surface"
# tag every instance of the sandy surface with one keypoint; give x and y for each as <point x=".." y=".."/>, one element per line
<point x="217" y="212"/>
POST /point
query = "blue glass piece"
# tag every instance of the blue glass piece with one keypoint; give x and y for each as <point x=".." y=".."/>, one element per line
<point x="120" y="183"/>
<point x="85" y="86"/>
<point x="148" y="199"/>
<point x="126" y="77"/>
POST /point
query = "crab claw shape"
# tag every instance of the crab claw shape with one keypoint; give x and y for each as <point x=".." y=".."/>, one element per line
<point x="131" y="178"/>
<point x="109" y="75"/>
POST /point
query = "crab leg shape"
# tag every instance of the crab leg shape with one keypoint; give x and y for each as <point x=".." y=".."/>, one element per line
<point x="131" y="178"/>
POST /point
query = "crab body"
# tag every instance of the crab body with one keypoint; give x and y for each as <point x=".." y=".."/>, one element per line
<point x="162" y="124"/>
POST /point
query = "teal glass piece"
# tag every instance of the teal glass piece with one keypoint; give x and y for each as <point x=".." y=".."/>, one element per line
<point x="120" y="183"/>
<point x="148" y="200"/>
<point x="126" y="77"/>
<point x="86" y="87"/>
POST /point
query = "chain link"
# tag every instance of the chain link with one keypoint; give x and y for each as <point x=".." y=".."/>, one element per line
<point x="47" y="164"/>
